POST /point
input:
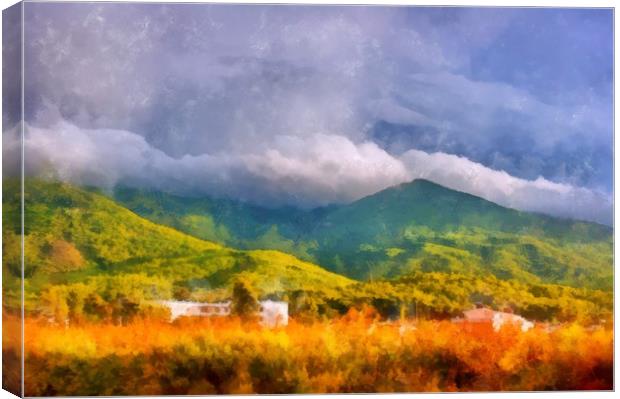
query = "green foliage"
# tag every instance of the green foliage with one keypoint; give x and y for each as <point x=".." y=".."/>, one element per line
<point x="244" y="300"/>
<point x="203" y="226"/>
<point x="427" y="270"/>
<point x="425" y="227"/>
<point x="419" y="226"/>
<point x="11" y="253"/>
<point x="442" y="295"/>
<point x="80" y="235"/>
<point x="104" y="298"/>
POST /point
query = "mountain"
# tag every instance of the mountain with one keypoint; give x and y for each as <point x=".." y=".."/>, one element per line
<point x="424" y="203"/>
<point x="73" y="234"/>
<point x="427" y="227"/>
<point x="87" y="257"/>
<point x="416" y="226"/>
<point x="228" y="222"/>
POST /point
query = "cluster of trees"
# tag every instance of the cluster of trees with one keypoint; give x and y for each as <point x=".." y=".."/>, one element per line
<point x="122" y="298"/>
<point x="443" y="295"/>
<point x="446" y="295"/>
<point x="522" y="257"/>
<point x="112" y="299"/>
<point x="418" y="295"/>
<point x="352" y="353"/>
<point x="244" y="300"/>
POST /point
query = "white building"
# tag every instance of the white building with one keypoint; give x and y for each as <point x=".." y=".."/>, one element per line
<point x="501" y="318"/>
<point x="187" y="308"/>
<point x="272" y="313"/>
<point x="497" y="319"/>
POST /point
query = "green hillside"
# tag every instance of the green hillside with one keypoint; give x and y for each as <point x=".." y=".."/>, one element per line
<point x="89" y="258"/>
<point x="73" y="235"/>
<point x="228" y="222"/>
<point x="422" y="226"/>
<point x="418" y="226"/>
<point x="427" y="204"/>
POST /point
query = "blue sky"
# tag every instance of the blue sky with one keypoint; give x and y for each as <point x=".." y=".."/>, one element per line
<point x="314" y="105"/>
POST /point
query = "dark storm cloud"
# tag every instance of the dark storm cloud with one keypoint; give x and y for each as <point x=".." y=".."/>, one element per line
<point x="312" y="105"/>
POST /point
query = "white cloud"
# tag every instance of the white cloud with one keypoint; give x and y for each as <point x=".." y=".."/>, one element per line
<point x="219" y="78"/>
<point x="317" y="169"/>
<point x="538" y="195"/>
<point x="277" y="105"/>
<point x="322" y="169"/>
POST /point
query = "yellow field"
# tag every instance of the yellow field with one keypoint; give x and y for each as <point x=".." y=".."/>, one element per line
<point x="355" y="353"/>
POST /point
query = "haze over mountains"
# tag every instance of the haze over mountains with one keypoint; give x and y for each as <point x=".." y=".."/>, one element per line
<point x="255" y="105"/>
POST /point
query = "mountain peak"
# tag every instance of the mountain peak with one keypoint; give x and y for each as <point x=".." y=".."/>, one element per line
<point x="425" y="184"/>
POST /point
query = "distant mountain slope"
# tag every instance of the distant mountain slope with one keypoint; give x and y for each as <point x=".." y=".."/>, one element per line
<point x="228" y="222"/>
<point x="71" y="234"/>
<point x="424" y="226"/>
<point x="428" y="204"/>
<point x="219" y="220"/>
<point x="417" y="226"/>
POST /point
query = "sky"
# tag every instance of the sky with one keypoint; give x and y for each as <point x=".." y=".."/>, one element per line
<point x="312" y="105"/>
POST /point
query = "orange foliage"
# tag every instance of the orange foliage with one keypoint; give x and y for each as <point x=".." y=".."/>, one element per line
<point x="355" y="353"/>
<point x="65" y="257"/>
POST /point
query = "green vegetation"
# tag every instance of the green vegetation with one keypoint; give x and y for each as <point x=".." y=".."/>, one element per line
<point x="419" y="226"/>
<point x="228" y="222"/>
<point x="442" y="295"/>
<point x="75" y="236"/>
<point x="87" y="258"/>
<point x="105" y="298"/>
<point x="244" y="300"/>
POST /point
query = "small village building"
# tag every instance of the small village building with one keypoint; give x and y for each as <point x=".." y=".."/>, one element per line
<point x="188" y="308"/>
<point x="495" y="318"/>
<point x="272" y="313"/>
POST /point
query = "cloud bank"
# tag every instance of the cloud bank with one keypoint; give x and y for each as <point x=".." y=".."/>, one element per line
<point x="522" y="90"/>
<point x="310" y="105"/>
<point x="310" y="171"/>
<point x="539" y="195"/>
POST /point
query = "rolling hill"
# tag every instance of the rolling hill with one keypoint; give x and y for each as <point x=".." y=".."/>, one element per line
<point x="73" y="234"/>
<point x="417" y="226"/>
<point x="86" y="254"/>
<point x="422" y="226"/>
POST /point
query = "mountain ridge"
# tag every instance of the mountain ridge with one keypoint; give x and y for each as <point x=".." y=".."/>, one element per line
<point x="82" y="246"/>
<point x="72" y="234"/>
<point x="411" y="226"/>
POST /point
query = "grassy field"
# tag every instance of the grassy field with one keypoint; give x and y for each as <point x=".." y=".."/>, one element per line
<point x="354" y="353"/>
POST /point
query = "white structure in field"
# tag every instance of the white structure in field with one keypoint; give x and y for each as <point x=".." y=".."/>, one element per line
<point x="497" y="319"/>
<point x="187" y="308"/>
<point x="501" y="318"/>
<point x="272" y="313"/>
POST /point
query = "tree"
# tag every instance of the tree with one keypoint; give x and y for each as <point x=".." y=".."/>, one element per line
<point x="244" y="300"/>
<point x="65" y="257"/>
<point x="11" y="252"/>
<point x="97" y="307"/>
<point x="54" y="301"/>
<point x="76" y="297"/>
<point x="181" y="293"/>
<point x="304" y="307"/>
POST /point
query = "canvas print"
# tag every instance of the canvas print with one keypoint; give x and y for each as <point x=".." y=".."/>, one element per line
<point x="287" y="199"/>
